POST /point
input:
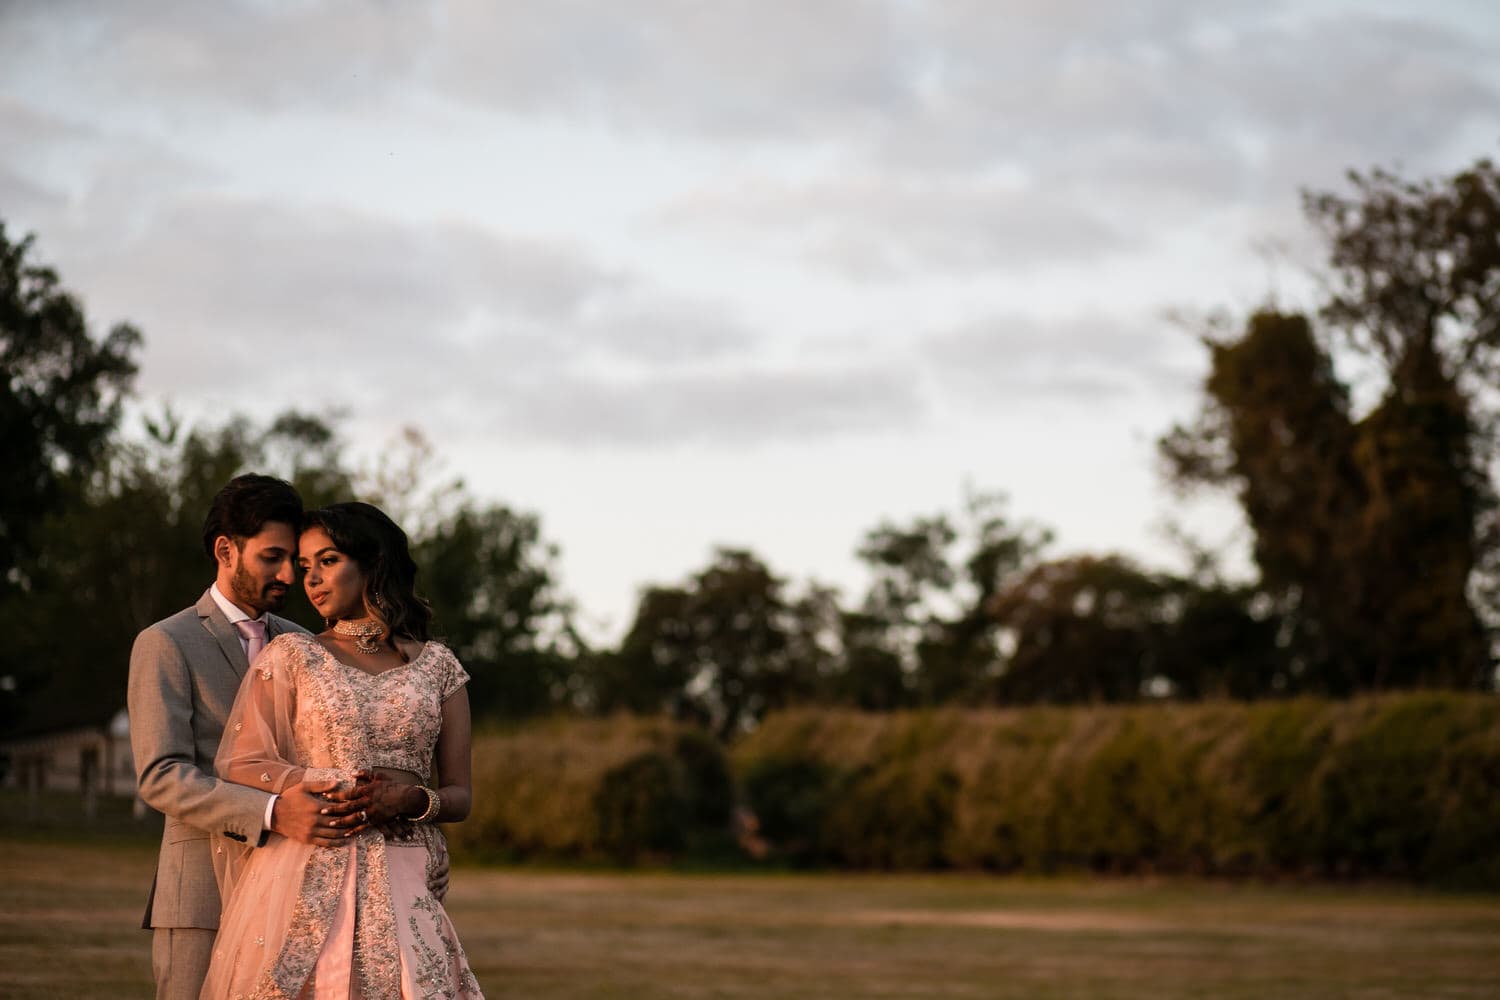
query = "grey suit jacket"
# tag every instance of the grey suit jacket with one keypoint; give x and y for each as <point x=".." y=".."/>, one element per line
<point x="184" y="674"/>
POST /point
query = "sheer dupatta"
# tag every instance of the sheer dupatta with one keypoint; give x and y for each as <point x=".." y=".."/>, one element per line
<point x="260" y="745"/>
<point x="292" y="721"/>
<point x="295" y="719"/>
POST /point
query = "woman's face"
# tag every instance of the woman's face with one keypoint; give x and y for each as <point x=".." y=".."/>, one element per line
<point x="334" y="583"/>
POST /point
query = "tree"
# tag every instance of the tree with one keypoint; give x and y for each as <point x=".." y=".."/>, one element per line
<point x="1221" y="641"/>
<point x="127" y="551"/>
<point x="868" y="672"/>
<point x="1373" y="535"/>
<point x="1416" y="286"/>
<point x="721" y="648"/>
<point x="931" y="604"/>
<point x="1079" y="630"/>
<point x="1276" y="428"/>
<point x="1102" y="629"/>
<point x="1414" y="276"/>
<point x="650" y="671"/>
<point x="60" y="399"/>
<point x="492" y="582"/>
<point x="904" y="607"/>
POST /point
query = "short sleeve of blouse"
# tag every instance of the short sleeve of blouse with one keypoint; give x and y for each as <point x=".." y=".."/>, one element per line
<point x="453" y="674"/>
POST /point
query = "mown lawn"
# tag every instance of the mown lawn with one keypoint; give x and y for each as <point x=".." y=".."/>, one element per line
<point x="70" y="909"/>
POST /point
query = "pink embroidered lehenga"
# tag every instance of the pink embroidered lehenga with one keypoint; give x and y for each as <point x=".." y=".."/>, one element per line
<point x="314" y="922"/>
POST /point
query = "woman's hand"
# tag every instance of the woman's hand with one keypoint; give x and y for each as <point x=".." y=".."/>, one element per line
<point x="391" y="802"/>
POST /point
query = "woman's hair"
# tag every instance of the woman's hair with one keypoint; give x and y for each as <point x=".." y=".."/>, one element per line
<point x="362" y="532"/>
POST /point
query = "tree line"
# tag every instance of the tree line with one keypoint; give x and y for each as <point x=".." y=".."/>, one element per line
<point x="1375" y="531"/>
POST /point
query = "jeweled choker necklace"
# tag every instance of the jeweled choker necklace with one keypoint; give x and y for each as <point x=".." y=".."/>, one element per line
<point x="366" y="633"/>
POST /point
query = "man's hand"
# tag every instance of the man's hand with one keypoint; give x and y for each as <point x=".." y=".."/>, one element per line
<point x="437" y="869"/>
<point x="322" y="814"/>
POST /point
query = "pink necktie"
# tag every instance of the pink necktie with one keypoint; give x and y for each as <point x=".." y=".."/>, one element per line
<point x="255" y="637"/>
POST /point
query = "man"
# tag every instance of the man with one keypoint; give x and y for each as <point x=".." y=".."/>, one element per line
<point x="184" y="674"/>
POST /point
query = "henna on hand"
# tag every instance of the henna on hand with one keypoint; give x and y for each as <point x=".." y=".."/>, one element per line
<point x="319" y="813"/>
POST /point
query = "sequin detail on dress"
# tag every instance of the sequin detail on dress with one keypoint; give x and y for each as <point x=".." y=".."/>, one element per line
<point x="342" y="719"/>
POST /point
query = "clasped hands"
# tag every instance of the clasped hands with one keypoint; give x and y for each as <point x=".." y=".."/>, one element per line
<point x="326" y="813"/>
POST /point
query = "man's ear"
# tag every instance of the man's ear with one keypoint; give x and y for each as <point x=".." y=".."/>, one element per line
<point x="224" y="551"/>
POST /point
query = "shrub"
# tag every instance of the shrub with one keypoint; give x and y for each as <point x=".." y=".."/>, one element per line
<point x="1397" y="785"/>
<point x="790" y="798"/>
<point x="895" y="817"/>
<point x="621" y="788"/>
<point x="642" y="808"/>
<point x="708" y="783"/>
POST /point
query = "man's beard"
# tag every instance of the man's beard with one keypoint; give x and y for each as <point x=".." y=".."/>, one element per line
<point x="267" y="598"/>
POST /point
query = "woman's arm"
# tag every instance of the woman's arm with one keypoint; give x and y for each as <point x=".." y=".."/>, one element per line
<point x="453" y="759"/>
<point x="394" y="804"/>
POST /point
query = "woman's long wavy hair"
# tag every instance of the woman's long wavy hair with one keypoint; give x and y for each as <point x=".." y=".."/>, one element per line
<point x="377" y="544"/>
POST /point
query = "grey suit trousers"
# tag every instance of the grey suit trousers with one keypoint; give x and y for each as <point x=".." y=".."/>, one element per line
<point x="179" y="961"/>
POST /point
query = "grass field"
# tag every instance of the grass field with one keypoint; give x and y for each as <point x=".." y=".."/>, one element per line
<point x="69" y="915"/>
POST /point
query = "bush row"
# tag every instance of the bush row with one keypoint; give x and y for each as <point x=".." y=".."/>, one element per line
<point x="1405" y="786"/>
<point x="1401" y="785"/>
<point x="622" y="789"/>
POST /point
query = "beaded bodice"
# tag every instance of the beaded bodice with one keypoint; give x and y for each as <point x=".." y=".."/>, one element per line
<point x="347" y="718"/>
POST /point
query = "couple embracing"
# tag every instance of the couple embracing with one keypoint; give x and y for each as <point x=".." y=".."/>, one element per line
<point x="301" y="856"/>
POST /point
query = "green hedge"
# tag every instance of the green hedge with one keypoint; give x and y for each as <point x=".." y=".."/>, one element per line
<point x="1405" y="786"/>
<point x="622" y="789"/>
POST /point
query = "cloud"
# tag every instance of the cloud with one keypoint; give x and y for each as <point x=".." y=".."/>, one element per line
<point x="283" y="275"/>
<point x="28" y="127"/>
<point x="723" y="408"/>
<point x="243" y="299"/>
<point x="241" y="55"/>
<point x="1170" y="98"/>
<point x="1083" y="359"/>
<point x="881" y="225"/>
<point x="26" y="204"/>
<point x="734" y="69"/>
<point x="884" y="139"/>
<point x="657" y="329"/>
<point x="1371" y="70"/>
<point x="82" y="184"/>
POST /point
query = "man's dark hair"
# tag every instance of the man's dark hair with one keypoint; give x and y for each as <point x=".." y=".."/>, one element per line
<point x="244" y="506"/>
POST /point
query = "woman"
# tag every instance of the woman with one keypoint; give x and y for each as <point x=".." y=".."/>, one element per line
<point x="370" y="695"/>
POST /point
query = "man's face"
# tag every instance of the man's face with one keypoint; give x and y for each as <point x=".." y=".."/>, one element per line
<point x="259" y="572"/>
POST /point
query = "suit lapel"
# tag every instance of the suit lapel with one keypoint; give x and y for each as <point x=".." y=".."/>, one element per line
<point x="224" y="634"/>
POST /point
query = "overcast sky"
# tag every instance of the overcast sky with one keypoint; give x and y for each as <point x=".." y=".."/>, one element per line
<point x="676" y="274"/>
